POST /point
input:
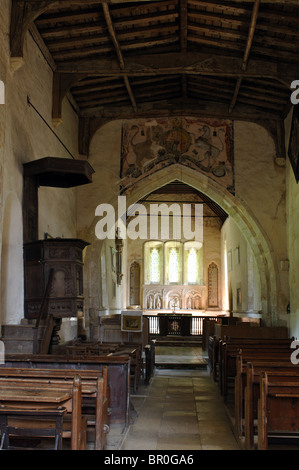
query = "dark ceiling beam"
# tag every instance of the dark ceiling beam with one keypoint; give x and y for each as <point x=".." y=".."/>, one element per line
<point x="247" y="51"/>
<point x="25" y="12"/>
<point x="178" y="106"/>
<point x="184" y="63"/>
<point x="183" y="38"/>
<point x="191" y="63"/>
<point x="118" y="52"/>
<point x="62" y="83"/>
<point x="93" y="120"/>
<point x="62" y="3"/>
<point x="235" y="4"/>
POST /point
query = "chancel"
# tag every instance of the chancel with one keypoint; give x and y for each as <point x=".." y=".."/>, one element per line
<point x="149" y="168"/>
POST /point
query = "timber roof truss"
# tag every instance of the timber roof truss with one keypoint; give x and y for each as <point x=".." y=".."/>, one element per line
<point x="119" y="59"/>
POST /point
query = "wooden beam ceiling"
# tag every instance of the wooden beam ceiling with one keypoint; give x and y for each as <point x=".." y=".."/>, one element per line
<point x="118" y="59"/>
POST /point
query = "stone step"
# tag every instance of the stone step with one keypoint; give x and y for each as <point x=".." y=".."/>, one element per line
<point x="173" y="340"/>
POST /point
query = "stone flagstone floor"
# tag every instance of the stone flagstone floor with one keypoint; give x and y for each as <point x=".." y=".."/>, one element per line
<point x="179" y="410"/>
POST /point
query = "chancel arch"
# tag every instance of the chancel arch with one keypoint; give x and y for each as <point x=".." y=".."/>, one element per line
<point x="243" y="217"/>
<point x="242" y="213"/>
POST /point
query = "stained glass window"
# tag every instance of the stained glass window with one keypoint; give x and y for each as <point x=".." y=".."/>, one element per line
<point x="155" y="268"/>
<point x="173" y="265"/>
<point x="192" y="266"/>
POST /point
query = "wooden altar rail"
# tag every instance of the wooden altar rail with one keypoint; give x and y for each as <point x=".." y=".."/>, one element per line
<point x="177" y="325"/>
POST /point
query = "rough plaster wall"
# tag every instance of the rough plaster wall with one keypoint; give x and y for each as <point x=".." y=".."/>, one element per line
<point x="293" y="237"/>
<point x="24" y="136"/>
<point x="238" y="274"/>
<point x="105" y="159"/>
<point x="260" y="183"/>
<point x="4" y="54"/>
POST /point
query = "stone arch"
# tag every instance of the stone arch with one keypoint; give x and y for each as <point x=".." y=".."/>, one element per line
<point x="239" y="212"/>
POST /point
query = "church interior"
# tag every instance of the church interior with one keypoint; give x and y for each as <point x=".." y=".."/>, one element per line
<point x="149" y="203"/>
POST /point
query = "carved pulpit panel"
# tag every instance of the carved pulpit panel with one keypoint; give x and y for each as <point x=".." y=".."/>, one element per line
<point x="64" y="256"/>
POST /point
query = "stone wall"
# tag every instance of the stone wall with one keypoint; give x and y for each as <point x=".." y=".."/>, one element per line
<point x="240" y="278"/>
<point x="293" y="237"/>
<point x="26" y="134"/>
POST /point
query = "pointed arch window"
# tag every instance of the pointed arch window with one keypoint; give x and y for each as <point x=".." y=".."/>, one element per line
<point x="173" y="266"/>
<point x="192" y="266"/>
<point x="155" y="266"/>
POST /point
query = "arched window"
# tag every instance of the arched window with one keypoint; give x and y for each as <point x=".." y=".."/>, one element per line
<point x="193" y="263"/>
<point x="155" y="268"/>
<point x="192" y="266"/>
<point x="173" y="266"/>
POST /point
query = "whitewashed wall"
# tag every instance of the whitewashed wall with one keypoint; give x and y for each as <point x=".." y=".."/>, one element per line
<point x="24" y="136"/>
<point x="293" y="237"/>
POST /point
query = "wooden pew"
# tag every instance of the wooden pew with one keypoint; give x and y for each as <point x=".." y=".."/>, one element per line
<point x="273" y="349"/>
<point x="247" y="391"/>
<point x="12" y="418"/>
<point x="278" y="373"/>
<point x="95" y="392"/>
<point x="278" y="410"/>
<point x="133" y="350"/>
<point x="29" y="402"/>
<point x="242" y="333"/>
<point x="118" y="371"/>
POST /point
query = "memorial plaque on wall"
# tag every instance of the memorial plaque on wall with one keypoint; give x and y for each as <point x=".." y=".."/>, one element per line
<point x="134" y="284"/>
<point x="213" y="285"/>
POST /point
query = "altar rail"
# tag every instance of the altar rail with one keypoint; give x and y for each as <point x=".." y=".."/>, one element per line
<point x="177" y="325"/>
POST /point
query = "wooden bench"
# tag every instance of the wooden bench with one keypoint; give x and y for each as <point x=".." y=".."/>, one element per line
<point x="239" y="333"/>
<point x="247" y="391"/>
<point x="278" y="409"/>
<point x="14" y="422"/>
<point x="91" y="348"/>
<point x="118" y="372"/>
<point x="95" y="393"/>
<point x="272" y="349"/>
<point x="30" y="401"/>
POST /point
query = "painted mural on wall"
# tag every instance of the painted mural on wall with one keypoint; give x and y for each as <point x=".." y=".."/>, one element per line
<point x="151" y="144"/>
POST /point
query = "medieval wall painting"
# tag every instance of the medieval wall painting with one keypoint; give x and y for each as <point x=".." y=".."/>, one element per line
<point x="151" y="144"/>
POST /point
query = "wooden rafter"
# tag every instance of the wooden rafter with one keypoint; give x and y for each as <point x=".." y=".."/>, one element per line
<point x="177" y="55"/>
<point x="190" y="63"/>
<point x="183" y="39"/>
<point x="247" y="51"/>
<point x="118" y="52"/>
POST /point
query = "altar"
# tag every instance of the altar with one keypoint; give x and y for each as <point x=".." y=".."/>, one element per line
<point x="174" y="298"/>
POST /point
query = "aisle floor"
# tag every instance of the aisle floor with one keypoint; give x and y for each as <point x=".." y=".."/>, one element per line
<point x="179" y="410"/>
